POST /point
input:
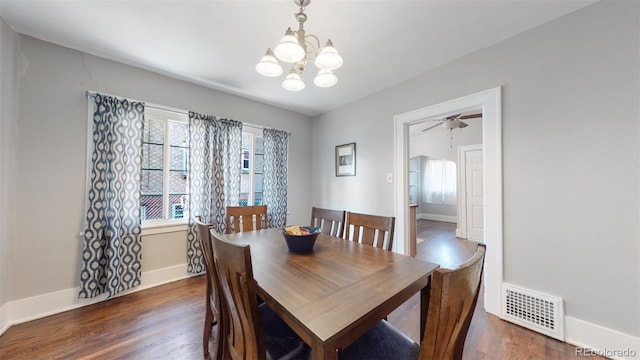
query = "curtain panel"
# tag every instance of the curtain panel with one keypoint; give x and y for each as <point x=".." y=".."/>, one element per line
<point x="276" y="145"/>
<point x="111" y="258"/>
<point x="440" y="182"/>
<point x="215" y="150"/>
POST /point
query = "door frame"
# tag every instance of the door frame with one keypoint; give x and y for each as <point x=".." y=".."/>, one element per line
<point x="461" y="230"/>
<point x="490" y="101"/>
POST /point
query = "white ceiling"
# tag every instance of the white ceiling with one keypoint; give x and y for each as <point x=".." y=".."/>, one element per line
<point x="217" y="43"/>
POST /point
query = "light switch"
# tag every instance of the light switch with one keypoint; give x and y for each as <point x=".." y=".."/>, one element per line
<point x="389" y="177"/>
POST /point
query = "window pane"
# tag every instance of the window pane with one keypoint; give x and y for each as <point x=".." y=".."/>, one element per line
<point x="258" y="164"/>
<point x="152" y="156"/>
<point x="153" y="131"/>
<point x="244" y="199"/>
<point x="259" y="148"/>
<point x="177" y="206"/>
<point x="257" y="182"/>
<point x="151" y="207"/>
<point x="257" y="198"/>
<point x="178" y="133"/>
<point x="151" y="182"/>
<point x="179" y="158"/>
<point x="178" y="182"/>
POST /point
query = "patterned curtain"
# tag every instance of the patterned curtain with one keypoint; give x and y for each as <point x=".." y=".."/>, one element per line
<point x="215" y="151"/>
<point x="111" y="259"/>
<point x="276" y="143"/>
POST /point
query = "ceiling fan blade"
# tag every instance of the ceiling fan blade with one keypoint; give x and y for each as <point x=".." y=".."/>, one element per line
<point x="456" y="116"/>
<point x="431" y="127"/>
<point x="470" y="116"/>
<point x="462" y="125"/>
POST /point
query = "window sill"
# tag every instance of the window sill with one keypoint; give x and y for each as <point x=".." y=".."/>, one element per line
<point x="163" y="227"/>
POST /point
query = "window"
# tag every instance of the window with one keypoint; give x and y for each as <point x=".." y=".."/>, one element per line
<point x="165" y="168"/>
<point x="440" y="182"/>
<point x="252" y="167"/>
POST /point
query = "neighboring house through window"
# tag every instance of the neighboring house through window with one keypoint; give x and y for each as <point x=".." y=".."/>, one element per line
<point x="251" y="179"/>
<point x="165" y="150"/>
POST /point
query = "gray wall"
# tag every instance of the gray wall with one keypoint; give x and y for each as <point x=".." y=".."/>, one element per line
<point x="570" y="155"/>
<point x="52" y="121"/>
<point x="7" y="157"/>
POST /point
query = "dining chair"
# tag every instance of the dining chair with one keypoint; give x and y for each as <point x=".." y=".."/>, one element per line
<point x="453" y="298"/>
<point x="329" y="221"/>
<point x="250" y="331"/>
<point x="246" y="218"/>
<point x="212" y="315"/>
<point x="372" y="230"/>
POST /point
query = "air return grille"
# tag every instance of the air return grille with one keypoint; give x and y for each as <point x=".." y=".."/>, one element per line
<point x="538" y="312"/>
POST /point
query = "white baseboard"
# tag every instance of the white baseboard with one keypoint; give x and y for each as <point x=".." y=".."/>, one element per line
<point x="4" y="318"/>
<point x="603" y="341"/>
<point x="436" y="217"/>
<point x="39" y="306"/>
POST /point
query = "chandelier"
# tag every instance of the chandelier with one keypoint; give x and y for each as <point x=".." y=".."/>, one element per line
<point x="296" y="48"/>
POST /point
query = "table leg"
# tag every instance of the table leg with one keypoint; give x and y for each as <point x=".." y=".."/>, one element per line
<point x="324" y="353"/>
<point x="425" y="294"/>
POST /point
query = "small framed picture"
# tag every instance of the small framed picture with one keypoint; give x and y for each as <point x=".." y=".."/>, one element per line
<point x="346" y="160"/>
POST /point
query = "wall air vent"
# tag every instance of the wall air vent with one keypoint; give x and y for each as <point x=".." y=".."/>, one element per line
<point x="538" y="312"/>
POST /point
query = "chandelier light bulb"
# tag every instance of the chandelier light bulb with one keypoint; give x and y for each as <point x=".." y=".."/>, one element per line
<point x="289" y="50"/>
<point x="328" y="59"/>
<point x="268" y="65"/>
<point x="325" y="78"/>
<point x="293" y="82"/>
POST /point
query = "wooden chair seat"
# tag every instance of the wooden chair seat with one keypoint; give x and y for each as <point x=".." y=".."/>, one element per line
<point x="330" y="222"/>
<point x="372" y="230"/>
<point x="453" y="298"/>
<point x="246" y="218"/>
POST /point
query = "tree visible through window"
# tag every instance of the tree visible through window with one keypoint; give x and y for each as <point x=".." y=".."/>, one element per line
<point x="165" y="168"/>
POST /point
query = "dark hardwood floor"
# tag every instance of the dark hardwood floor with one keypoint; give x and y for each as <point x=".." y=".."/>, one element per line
<point x="166" y="322"/>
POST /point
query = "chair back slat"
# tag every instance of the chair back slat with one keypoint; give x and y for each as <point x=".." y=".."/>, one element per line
<point x="453" y="298"/>
<point x="372" y="230"/>
<point x="246" y="218"/>
<point x="330" y="222"/>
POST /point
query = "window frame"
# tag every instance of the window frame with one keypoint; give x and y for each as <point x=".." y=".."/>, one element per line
<point x="167" y="117"/>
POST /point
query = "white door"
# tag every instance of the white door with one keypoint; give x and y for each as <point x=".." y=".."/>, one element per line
<point x="474" y="195"/>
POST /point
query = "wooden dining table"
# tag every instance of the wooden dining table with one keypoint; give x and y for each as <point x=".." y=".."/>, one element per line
<point x="335" y="293"/>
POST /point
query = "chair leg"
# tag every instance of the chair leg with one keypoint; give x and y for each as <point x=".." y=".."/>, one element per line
<point x="206" y="335"/>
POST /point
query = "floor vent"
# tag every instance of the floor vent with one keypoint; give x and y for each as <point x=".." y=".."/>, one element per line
<point x="539" y="312"/>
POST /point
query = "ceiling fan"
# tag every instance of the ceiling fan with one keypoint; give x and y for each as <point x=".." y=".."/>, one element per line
<point x="453" y="121"/>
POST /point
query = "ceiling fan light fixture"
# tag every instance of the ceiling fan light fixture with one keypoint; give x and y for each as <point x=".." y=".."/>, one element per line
<point x="289" y="50"/>
<point x="268" y="65"/>
<point x="293" y="82"/>
<point x="325" y="78"/>
<point x="451" y="124"/>
<point x="328" y="59"/>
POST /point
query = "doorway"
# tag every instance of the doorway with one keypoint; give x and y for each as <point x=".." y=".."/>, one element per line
<point x="490" y="103"/>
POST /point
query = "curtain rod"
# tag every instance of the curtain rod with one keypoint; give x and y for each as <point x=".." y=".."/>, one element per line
<point x="92" y="93"/>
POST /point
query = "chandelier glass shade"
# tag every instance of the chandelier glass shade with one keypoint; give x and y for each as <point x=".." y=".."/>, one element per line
<point x="298" y="49"/>
<point x="268" y="65"/>
<point x="293" y="82"/>
<point x="289" y="50"/>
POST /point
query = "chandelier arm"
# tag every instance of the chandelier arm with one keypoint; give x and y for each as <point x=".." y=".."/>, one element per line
<point x="314" y="48"/>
